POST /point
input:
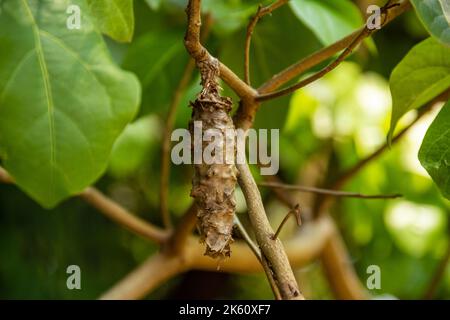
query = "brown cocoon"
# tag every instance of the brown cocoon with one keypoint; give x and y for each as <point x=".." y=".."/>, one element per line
<point x="213" y="184"/>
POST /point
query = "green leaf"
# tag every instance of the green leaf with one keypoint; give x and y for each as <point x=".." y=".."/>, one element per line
<point x="62" y="100"/>
<point x="423" y="74"/>
<point x="114" y="18"/>
<point x="132" y="148"/>
<point x="330" y="20"/>
<point x="158" y="59"/>
<point x="434" y="154"/>
<point x="435" y="16"/>
<point x="154" y="4"/>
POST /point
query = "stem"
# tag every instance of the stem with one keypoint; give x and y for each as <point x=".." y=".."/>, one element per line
<point x="365" y="32"/>
<point x="272" y="250"/>
<point x="294" y="212"/>
<point x="261" y="12"/>
<point x="329" y="192"/>
<point x="121" y="216"/>
<point x="112" y="210"/>
<point x="437" y="276"/>
<point x="183" y="230"/>
<point x="171" y="116"/>
<point x="322" y="55"/>
<point x="154" y="271"/>
<point x="165" y="158"/>
<point x="257" y="254"/>
<point x="199" y="53"/>
<point x="247" y="238"/>
<point x="157" y="269"/>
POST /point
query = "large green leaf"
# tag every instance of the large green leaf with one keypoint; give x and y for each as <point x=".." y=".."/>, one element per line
<point x="330" y="20"/>
<point x="435" y="15"/>
<point x="114" y="18"/>
<point x="434" y="154"/>
<point x="423" y="74"/>
<point x="158" y="59"/>
<point x="62" y="100"/>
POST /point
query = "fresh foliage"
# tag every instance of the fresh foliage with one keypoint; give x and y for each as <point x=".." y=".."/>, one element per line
<point x="435" y="151"/>
<point x="330" y="20"/>
<point x="114" y="18"/>
<point x="435" y="15"/>
<point x="63" y="100"/>
<point x="423" y="74"/>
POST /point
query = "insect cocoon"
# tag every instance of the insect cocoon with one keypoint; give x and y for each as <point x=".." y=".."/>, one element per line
<point x="213" y="184"/>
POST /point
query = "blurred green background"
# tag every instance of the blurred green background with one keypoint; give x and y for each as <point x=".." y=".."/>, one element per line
<point x="342" y="117"/>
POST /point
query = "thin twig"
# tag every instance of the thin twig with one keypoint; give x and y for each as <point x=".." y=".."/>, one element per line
<point x="165" y="157"/>
<point x="258" y="255"/>
<point x="272" y="250"/>
<point x="293" y="212"/>
<point x="154" y="271"/>
<point x="302" y="249"/>
<point x="170" y="121"/>
<point x="183" y="230"/>
<point x="352" y="171"/>
<point x="438" y="275"/>
<point x="270" y="277"/>
<point x="335" y="193"/>
<point x="199" y="53"/>
<point x="112" y="210"/>
<point x="272" y="95"/>
<point x="247" y="238"/>
<point x="325" y="202"/>
<point x="261" y="12"/>
<point x="117" y="213"/>
<point x="322" y="55"/>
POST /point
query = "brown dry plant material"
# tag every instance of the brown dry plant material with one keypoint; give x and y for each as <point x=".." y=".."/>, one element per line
<point x="213" y="185"/>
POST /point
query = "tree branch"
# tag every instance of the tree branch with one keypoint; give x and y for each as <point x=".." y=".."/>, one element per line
<point x="177" y="241"/>
<point x="120" y="215"/>
<point x="302" y="249"/>
<point x="365" y="32"/>
<point x="329" y="192"/>
<point x="339" y="270"/>
<point x="153" y="272"/>
<point x="340" y="273"/>
<point x="258" y="255"/>
<point x="165" y="157"/>
<point x="272" y="250"/>
<point x="245" y="236"/>
<point x="318" y="57"/>
<point x="438" y="275"/>
<point x="170" y="121"/>
<point x="261" y="12"/>
<point x="199" y="53"/>
<point x="293" y="212"/>
<point x="112" y="210"/>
